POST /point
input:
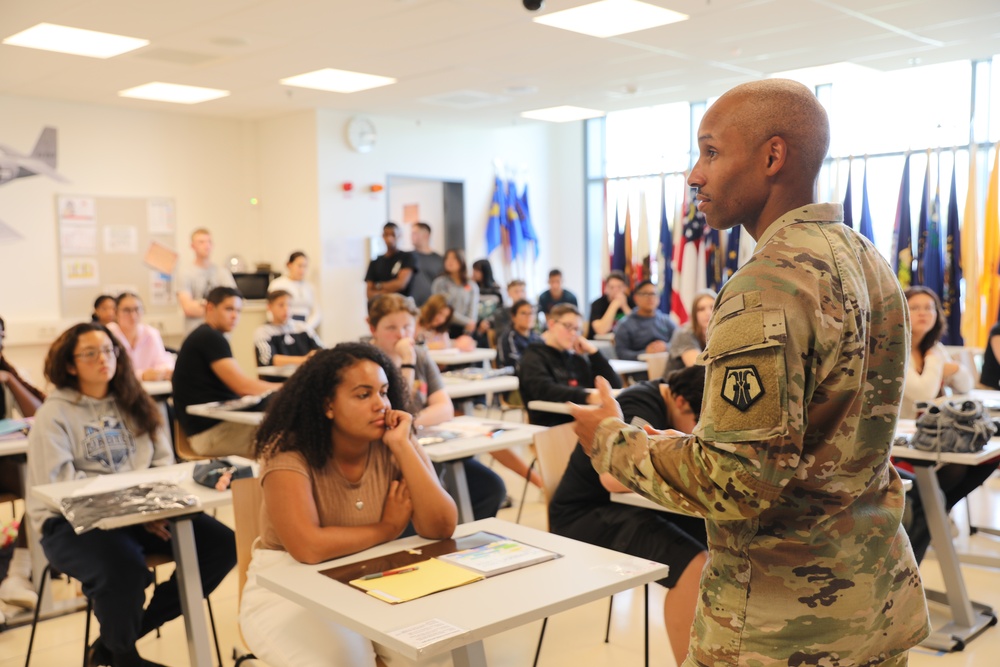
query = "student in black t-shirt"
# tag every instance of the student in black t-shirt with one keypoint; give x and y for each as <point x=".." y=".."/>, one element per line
<point x="582" y="509"/>
<point x="563" y="368"/>
<point x="610" y="307"/>
<point x="206" y="371"/>
<point x="390" y="273"/>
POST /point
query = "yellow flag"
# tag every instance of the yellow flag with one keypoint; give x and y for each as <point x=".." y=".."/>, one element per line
<point x="989" y="282"/>
<point x="972" y="313"/>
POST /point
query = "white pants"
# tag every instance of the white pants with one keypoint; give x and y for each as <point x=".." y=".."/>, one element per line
<point x="285" y="634"/>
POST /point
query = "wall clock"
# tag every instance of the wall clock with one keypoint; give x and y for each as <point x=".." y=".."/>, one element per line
<point x="361" y="134"/>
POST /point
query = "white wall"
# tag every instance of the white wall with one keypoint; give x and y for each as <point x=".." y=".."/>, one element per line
<point x="206" y="165"/>
<point x="294" y="165"/>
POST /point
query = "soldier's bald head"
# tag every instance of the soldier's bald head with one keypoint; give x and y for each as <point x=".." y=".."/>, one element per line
<point x="760" y="110"/>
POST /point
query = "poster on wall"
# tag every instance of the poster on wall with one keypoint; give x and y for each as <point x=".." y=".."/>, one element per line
<point x="160" y="257"/>
<point x="160" y="290"/>
<point x="161" y="216"/>
<point x="77" y="226"/>
<point x="121" y="240"/>
<point x="80" y="272"/>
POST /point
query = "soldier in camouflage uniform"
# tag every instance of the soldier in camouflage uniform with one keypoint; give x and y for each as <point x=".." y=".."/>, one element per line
<point x="789" y="464"/>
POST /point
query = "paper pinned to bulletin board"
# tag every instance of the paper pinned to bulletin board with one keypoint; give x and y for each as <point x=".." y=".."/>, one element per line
<point x="107" y="244"/>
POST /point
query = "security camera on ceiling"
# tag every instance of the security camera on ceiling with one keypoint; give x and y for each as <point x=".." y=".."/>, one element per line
<point x="533" y="5"/>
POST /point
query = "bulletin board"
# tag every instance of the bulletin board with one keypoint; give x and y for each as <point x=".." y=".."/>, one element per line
<point x="110" y="245"/>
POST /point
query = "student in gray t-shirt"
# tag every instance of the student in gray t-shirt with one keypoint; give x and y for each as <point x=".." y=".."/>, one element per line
<point x="195" y="282"/>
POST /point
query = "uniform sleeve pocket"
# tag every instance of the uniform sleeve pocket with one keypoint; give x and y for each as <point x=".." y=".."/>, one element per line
<point x="745" y="384"/>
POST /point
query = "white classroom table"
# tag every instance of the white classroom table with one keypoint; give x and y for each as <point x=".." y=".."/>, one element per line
<point x="461" y="388"/>
<point x="479" y="610"/>
<point x="158" y="388"/>
<point x="277" y="371"/>
<point x="968" y="618"/>
<point x="453" y="357"/>
<point x="185" y="553"/>
<point x="450" y="453"/>
<point x="628" y="367"/>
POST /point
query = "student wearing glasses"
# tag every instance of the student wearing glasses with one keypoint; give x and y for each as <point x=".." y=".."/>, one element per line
<point x="99" y="421"/>
<point x="143" y="343"/>
<point x="563" y="367"/>
<point x="646" y="329"/>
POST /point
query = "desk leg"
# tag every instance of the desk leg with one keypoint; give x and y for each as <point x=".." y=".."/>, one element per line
<point x="458" y="486"/>
<point x="470" y="655"/>
<point x="967" y="622"/>
<point x="191" y="593"/>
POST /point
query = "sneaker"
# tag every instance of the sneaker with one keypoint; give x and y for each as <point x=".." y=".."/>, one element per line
<point x="16" y="590"/>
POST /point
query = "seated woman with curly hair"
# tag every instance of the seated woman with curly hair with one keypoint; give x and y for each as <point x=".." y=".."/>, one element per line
<point x="340" y="472"/>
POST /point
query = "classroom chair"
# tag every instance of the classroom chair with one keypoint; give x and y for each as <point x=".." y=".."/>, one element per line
<point x="553" y="448"/>
<point x="153" y="561"/>
<point x="182" y="446"/>
<point x="247" y="499"/>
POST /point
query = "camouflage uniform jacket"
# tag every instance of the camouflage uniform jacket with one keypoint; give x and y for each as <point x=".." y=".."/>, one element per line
<point x="789" y="463"/>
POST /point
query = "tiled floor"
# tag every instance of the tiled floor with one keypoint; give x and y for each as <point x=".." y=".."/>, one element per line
<point x="573" y="639"/>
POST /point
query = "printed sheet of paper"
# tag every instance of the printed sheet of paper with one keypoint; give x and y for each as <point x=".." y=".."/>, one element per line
<point x="426" y="633"/>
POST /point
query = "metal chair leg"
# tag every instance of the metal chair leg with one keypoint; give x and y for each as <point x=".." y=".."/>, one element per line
<point x="524" y="493"/>
<point x="86" y="631"/>
<point x="38" y="609"/>
<point x="607" y="630"/>
<point x="541" y="636"/>
<point x="645" y="614"/>
<point x="215" y="634"/>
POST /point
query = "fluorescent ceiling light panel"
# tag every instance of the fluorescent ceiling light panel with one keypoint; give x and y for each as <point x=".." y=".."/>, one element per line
<point x="338" y="80"/>
<point x="173" y="92"/>
<point x="562" y="114"/>
<point x="76" y="41"/>
<point x="608" y="18"/>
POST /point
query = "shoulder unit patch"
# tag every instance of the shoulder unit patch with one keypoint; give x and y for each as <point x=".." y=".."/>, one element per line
<point x="742" y="387"/>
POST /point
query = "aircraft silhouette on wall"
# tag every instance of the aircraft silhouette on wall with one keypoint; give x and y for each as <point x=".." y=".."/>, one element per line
<point x="42" y="161"/>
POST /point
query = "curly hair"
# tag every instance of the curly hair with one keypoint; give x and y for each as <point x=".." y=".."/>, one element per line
<point x="129" y="395"/>
<point x="296" y="418"/>
<point x="932" y="337"/>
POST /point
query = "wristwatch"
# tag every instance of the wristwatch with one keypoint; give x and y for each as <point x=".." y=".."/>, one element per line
<point x="378" y="286"/>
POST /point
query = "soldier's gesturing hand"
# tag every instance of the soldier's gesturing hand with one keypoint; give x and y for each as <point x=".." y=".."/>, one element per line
<point x="588" y="418"/>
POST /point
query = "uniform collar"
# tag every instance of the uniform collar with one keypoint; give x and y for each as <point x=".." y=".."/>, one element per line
<point x="809" y="213"/>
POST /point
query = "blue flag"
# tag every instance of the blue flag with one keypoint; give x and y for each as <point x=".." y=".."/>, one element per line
<point x="527" y="227"/>
<point x="951" y="300"/>
<point x="714" y="261"/>
<point x="667" y="252"/>
<point x="865" y="226"/>
<point x="848" y="201"/>
<point x="923" y="222"/>
<point x="494" y="224"/>
<point x="618" y="249"/>
<point x="902" y="256"/>
<point x="934" y="250"/>
<point x="512" y="222"/>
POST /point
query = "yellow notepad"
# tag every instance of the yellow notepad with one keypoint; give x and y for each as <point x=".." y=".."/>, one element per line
<point x="431" y="576"/>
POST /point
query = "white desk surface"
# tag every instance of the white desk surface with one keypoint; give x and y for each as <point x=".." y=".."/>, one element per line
<point x="212" y="411"/>
<point x="52" y="494"/>
<point x="277" y="371"/>
<point x="907" y="427"/>
<point x="453" y="357"/>
<point x="646" y="356"/>
<point x="482" y="609"/>
<point x="158" y="387"/>
<point x="459" y="388"/>
<point x="515" y="434"/>
<point x="556" y="407"/>
<point x="12" y="445"/>
<point x="627" y="366"/>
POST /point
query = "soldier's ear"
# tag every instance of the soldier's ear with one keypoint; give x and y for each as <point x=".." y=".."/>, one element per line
<point x="777" y="154"/>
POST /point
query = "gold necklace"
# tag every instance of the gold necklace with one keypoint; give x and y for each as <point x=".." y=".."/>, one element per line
<point x="359" y="504"/>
